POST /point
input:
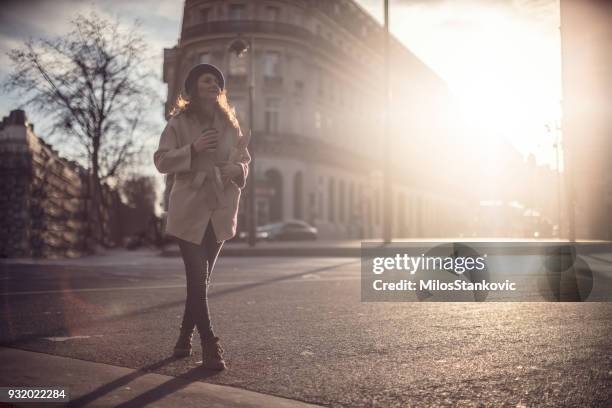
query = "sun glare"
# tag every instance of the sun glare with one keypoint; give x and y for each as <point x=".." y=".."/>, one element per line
<point x="502" y="66"/>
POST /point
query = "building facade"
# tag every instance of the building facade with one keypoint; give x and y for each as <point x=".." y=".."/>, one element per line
<point x="586" y="35"/>
<point x="318" y="129"/>
<point x="46" y="205"/>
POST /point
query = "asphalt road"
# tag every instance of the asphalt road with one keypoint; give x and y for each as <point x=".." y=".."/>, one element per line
<point x="296" y="327"/>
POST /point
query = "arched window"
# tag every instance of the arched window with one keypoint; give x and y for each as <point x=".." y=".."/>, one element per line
<point x="298" y="199"/>
<point x="274" y="180"/>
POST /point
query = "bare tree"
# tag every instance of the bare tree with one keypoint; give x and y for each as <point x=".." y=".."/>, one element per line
<point x="93" y="85"/>
<point x="139" y="192"/>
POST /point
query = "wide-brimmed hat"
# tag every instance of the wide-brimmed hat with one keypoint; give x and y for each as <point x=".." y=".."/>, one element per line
<point x="200" y="69"/>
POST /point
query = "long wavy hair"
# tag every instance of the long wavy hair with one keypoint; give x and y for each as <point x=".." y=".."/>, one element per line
<point x="191" y="106"/>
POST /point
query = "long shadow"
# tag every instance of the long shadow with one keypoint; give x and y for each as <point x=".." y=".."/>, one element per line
<point x="20" y="340"/>
<point x="169" y="387"/>
<point x="158" y="392"/>
<point x="278" y="279"/>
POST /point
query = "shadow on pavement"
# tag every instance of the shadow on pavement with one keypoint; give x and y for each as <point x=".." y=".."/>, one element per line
<point x="154" y="394"/>
<point x="21" y="340"/>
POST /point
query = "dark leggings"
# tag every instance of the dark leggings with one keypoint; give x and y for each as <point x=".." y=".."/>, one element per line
<point x="199" y="262"/>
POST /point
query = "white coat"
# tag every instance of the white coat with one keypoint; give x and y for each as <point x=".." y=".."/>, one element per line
<point x="198" y="195"/>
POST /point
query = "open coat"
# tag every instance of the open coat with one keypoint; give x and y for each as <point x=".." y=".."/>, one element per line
<point x="198" y="194"/>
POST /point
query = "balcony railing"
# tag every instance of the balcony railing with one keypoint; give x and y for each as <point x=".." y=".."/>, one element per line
<point x="265" y="27"/>
<point x="244" y="26"/>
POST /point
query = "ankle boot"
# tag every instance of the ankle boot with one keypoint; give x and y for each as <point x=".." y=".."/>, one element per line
<point x="212" y="354"/>
<point x="183" y="344"/>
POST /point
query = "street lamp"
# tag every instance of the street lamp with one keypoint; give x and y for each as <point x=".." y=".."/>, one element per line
<point x="239" y="47"/>
<point x="387" y="189"/>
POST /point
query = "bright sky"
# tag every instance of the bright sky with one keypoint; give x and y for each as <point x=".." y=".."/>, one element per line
<point x="501" y="58"/>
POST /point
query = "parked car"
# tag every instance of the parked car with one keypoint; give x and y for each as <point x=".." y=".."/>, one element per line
<point x="294" y="230"/>
<point x="244" y="235"/>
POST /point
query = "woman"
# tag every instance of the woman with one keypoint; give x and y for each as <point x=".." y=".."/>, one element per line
<point x="203" y="147"/>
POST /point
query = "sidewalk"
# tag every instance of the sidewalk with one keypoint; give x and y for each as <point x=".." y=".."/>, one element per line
<point x="101" y="385"/>
<point x="352" y="248"/>
<point x="325" y="248"/>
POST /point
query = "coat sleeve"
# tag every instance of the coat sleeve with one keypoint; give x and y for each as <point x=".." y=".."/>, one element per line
<point x="242" y="158"/>
<point x="169" y="157"/>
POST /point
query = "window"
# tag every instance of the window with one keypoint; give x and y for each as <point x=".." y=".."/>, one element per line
<point x="205" y="15"/>
<point x="240" y="106"/>
<point x="320" y="85"/>
<point x="272" y="13"/>
<point x="331" y="200"/>
<point x="298" y="118"/>
<point x="299" y="86"/>
<point x="320" y="206"/>
<point x="271" y="119"/>
<point x="237" y="64"/>
<point x="298" y="200"/>
<point x="342" y="201"/>
<point x="204" y="58"/>
<point x="272" y="64"/>
<point x="237" y="11"/>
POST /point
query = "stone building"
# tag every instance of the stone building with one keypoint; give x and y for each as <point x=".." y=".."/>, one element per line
<point x="45" y="203"/>
<point x="318" y="115"/>
<point x="586" y="35"/>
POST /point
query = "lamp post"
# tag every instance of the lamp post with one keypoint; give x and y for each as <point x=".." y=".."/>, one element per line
<point x="387" y="190"/>
<point x="240" y="46"/>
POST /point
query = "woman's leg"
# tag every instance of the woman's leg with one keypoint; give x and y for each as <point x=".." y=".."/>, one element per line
<point x="212" y="250"/>
<point x="199" y="261"/>
<point x="190" y="256"/>
<point x="210" y="242"/>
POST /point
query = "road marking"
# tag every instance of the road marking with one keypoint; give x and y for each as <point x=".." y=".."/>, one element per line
<point x="70" y="338"/>
<point x="213" y="285"/>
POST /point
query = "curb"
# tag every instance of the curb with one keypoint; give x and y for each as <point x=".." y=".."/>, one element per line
<point x="96" y="384"/>
<point x="289" y="252"/>
<point x="496" y="248"/>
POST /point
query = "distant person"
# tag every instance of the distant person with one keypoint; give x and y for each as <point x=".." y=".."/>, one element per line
<point x="203" y="146"/>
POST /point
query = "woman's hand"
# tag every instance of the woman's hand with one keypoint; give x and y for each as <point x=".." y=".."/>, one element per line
<point x="229" y="171"/>
<point x="206" y="141"/>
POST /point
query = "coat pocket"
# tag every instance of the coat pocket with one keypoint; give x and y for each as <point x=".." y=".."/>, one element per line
<point x="182" y="179"/>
